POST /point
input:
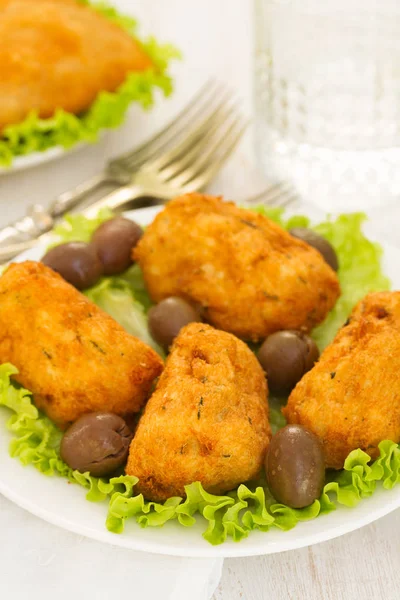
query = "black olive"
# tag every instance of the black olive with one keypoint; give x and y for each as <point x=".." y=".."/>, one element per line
<point x="285" y="357"/>
<point x="167" y="318"/>
<point x="319" y="243"/>
<point x="295" y="467"/>
<point x="96" y="442"/>
<point x="114" y="241"/>
<point x="76" y="262"/>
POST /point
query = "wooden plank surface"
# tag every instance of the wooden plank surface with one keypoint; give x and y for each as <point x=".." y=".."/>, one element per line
<point x="363" y="564"/>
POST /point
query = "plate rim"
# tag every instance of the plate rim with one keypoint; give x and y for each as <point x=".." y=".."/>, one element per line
<point x="239" y="550"/>
<point x="34" y="159"/>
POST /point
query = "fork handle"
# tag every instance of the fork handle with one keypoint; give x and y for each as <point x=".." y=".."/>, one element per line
<point x="17" y="242"/>
<point x="69" y="199"/>
<point x="117" y="198"/>
<point x="36" y="221"/>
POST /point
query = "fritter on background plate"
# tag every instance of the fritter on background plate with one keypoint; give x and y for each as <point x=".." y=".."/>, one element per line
<point x="59" y="54"/>
<point x="73" y="357"/>
<point x="351" y="398"/>
<point x="251" y="276"/>
<point x="206" y="421"/>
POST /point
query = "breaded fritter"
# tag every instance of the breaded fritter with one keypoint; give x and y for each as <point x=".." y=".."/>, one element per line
<point x="251" y="276"/>
<point x="351" y="398"/>
<point x="206" y="421"/>
<point x="59" y="54"/>
<point x="73" y="357"/>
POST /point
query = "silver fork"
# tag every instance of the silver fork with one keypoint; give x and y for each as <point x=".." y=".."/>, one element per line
<point x="279" y="195"/>
<point x="188" y="166"/>
<point x="206" y="106"/>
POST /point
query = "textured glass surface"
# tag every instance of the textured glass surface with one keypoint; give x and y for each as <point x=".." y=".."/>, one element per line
<point x="327" y="95"/>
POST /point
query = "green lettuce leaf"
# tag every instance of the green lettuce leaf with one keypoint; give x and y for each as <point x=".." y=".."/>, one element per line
<point x="124" y="296"/>
<point x="360" y="269"/>
<point x="36" y="441"/>
<point x="77" y="228"/>
<point x="237" y="513"/>
<point x="134" y="278"/>
<point x="116" y="297"/>
<point x="108" y="110"/>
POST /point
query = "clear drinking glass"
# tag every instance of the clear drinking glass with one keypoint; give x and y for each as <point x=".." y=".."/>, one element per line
<point x="327" y="98"/>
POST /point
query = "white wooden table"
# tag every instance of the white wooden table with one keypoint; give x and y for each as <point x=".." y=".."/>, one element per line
<point x="216" y="38"/>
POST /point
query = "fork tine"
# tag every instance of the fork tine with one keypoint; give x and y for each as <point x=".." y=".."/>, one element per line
<point x="273" y="195"/>
<point x="193" y="136"/>
<point x="196" y="98"/>
<point x="221" y="153"/>
<point x="168" y="134"/>
<point x="202" y="160"/>
<point x="201" y="147"/>
<point x="286" y="199"/>
<point x="268" y="192"/>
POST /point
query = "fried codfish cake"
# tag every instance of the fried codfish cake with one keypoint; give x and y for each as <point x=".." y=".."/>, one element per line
<point x="73" y="357"/>
<point x="59" y="54"/>
<point x="351" y="398"/>
<point x="206" y="421"/>
<point x="251" y="276"/>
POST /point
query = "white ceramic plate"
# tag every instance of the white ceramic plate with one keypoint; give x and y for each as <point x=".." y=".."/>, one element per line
<point x="58" y="502"/>
<point x="34" y="159"/>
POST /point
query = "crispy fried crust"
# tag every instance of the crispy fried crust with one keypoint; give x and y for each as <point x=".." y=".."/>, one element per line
<point x="70" y="354"/>
<point x="252" y="277"/>
<point x="59" y="54"/>
<point x="351" y="398"/>
<point x="207" y="420"/>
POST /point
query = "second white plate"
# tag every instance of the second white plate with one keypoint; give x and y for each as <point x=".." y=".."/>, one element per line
<point x="35" y="159"/>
